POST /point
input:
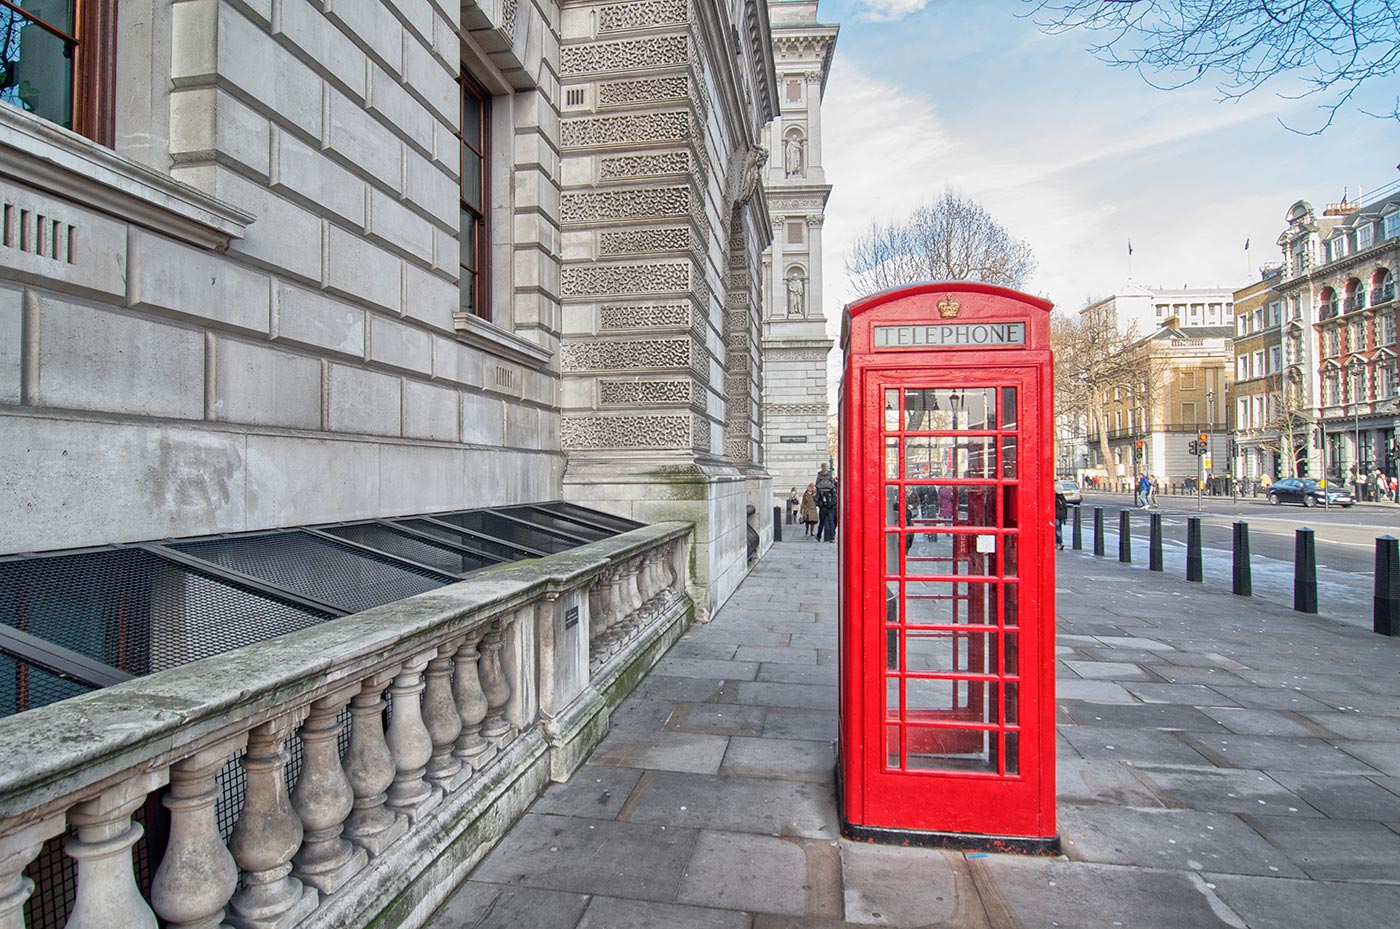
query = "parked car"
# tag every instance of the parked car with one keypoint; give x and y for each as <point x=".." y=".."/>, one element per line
<point x="1306" y="492"/>
<point x="1070" y="491"/>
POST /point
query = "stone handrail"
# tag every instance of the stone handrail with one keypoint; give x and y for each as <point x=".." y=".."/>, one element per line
<point x="493" y="686"/>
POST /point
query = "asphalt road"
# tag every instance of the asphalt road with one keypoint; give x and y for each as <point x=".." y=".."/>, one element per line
<point x="1345" y="544"/>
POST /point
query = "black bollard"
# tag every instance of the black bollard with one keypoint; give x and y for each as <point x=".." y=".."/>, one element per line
<point x="1385" y="617"/>
<point x="1193" y="549"/>
<point x="1078" y="536"/>
<point x="1304" y="572"/>
<point x="777" y="524"/>
<point x="1098" y="531"/>
<point x="1125" y="538"/>
<point x="1244" y="579"/>
<point x="1154" y="544"/>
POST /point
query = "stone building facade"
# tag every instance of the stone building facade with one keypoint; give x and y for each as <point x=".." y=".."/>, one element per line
<point x="314" y="260"/>
<point x="795" y="343"/>
<point x="1257" y="408"/>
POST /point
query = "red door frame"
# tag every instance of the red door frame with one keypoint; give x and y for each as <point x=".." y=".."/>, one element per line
<point x="965" y="809"/>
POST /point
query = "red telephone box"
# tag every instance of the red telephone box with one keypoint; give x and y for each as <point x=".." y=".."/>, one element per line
<point x="947" y="637"/>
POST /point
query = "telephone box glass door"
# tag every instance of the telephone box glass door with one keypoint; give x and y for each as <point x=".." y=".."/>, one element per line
<point x="957" y="663"/>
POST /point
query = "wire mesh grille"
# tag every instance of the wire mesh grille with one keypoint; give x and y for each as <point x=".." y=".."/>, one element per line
<point x="447" y="534"/>
<point x="24" y="686"/>
<point x="318" y="568"/>
<point x="494" y="524"/>
<point x="135" y="611"/>
<point x="423" y="551"/>
<point x="544" y="517"/>
<point x="616" y="523"/>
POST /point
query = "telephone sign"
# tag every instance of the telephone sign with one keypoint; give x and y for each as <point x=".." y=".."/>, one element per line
<point x="947" y="581"/>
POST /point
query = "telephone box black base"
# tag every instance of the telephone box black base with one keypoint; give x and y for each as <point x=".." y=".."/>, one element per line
<point x="961" y="841"/>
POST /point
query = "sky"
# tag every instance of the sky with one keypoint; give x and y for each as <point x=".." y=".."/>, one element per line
<point x="1068" y="153"/>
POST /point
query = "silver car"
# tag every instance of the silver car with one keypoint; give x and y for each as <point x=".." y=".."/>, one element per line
<point x="1070" y="491"/>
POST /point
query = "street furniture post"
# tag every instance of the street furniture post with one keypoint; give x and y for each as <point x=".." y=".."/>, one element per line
<point x="1125" y="538"/>
<point x="1078" y="535"/>
<point x="1154" y="544"/>
<point x="1304" y="572"/>
<point x="1193" y="549"/>
<point x="1243" y="579"/>
<point x="1386" y="611"/>
<point x="777" y="524"/>
<point x="1098" y="531"/>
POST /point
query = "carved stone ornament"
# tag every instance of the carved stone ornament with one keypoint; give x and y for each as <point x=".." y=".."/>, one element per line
<point x="623" y="55"/>
<point x="751" y="173"/>
<point x="657" y="165"/>
<point x="665" y="126"/>
<point x="621" y="432"/>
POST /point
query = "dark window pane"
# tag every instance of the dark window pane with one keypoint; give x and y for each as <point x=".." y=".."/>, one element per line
<point x="468" y="292"/>
<point x="468" y="240"/>
<point x="36" y="66"/>
<point x="471" y="117"/>
<point x="471" y="180"/>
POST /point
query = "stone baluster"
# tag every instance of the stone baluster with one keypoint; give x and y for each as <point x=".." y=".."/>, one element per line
<point x="17" y="850"/>
<point x="597" y="617"/>
<point x="323" y="799"/>
<point x="675" y="570"/>
<point x="444" y="723"/>
<point x="410" y="742"/>
<point x="472" y="750"/>
<point x="651" y="579"/>
<point x="495" y="685"/>
<point x="197" y="875"/>
<point x="616" y="614"/>
<point x="370" y="767"/>
<point x="267" y="835"/>
<point x="631" y="597"/>
<point x="107" y="893"/>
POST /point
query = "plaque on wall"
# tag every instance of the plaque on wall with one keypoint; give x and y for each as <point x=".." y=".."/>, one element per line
<point x="792" y="439"/>
<point x="571" y="617"/>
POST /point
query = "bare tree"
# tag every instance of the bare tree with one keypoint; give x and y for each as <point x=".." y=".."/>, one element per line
<point x="951" y="239"/>
<point x="1331" y="48"/>
<point x="1096" y="365"/>
<point x="1289" y="427"/>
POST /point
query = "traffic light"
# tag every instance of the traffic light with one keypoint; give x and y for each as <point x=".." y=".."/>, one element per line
<point x="1203" y="444"/>
<point x="1195" y="447"/>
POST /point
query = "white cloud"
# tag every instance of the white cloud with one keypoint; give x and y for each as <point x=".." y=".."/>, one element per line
<point x="882" y="11"/>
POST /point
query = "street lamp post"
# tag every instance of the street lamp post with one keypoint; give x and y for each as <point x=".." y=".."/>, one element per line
<point x="1210" y="430"/>
<point x="1357" y="366"/>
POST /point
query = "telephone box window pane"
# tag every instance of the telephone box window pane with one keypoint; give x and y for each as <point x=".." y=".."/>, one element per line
<point x="892" y="458"/>
<point x="892" y="507"/>
<point x="949" y="505"/>
<point x="950" y="652"/>
<point x="1008" y="408"/>
<point x="1008" y="457"/>
<point x="941" y="409"/>
<point x="932" y="457"/>
<point x="1008" y="511"/>
<point x="948" y="554"/>
<point x="949" y="603"/>
<point x="893" y="543"/>
<point x="1011" y="653"/>
<point x="1011" y="607"/>
<point x="892" y="697"/>
<point x="950" y="750"/>
<point x="891" y="411"/>
<point x="1013" y="752"/>
<point x="1010" y="555"/>
<point x="1012" y="714"/>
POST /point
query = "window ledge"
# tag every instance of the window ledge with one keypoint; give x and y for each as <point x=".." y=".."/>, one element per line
<point x="475" y="331"/>
<point x="36" y="152"/>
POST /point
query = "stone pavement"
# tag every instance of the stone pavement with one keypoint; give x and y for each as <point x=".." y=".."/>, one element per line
<point x="1223" y="762"/>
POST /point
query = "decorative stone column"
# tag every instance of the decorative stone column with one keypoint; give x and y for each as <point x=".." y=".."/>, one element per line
<point x="495" y="685"/>
<point x="107" y="893"/>
<point x="323" y="799"/>
<point x="472" y="750"/>
<point x="409" y="742"/>
<point x="17" y="850"/>
<point x="268" y="834"/>
<point x="443" y="721"/>
<point x="197" y="875"/>
<point x="370" y="766"/>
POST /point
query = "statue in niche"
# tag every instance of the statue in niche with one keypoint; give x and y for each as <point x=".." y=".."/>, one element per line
<point x="793" y="155"/>
<point x="796" y="295"/>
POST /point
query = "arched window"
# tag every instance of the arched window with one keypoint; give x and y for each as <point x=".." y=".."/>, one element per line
<point x="1327" y="303"/>
<point x="1382" y="286"/>
<point x="1356" y="296"/>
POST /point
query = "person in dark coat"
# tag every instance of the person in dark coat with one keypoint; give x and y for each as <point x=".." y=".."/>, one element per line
<point x="1061" y="514"/>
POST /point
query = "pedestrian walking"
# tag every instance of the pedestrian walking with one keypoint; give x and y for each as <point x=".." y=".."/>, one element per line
<point x="1144" y="490"/>
<point x="1152" y="483"/>
<point x="810" y="513"/>
<point x="793" y="503"/>
<point x="825" y="486"/>
<point x="1061" y="514"/>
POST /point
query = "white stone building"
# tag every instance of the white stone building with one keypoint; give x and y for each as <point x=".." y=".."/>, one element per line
<point x="795" y="343"/>
<point x="312" y="260"/>
<point x="1143" y="310"/>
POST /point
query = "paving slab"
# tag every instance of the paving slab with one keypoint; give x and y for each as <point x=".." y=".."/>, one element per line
<point x="1334" y="849"/>
<point x="476" y="905"/>
<point x="616" y="913"/>
<point x="891" y="886"/>
<point x="1108" y="671"/>
<point x="737" y="804"/>
<point x="778" y="673"/>
<point x="1140" y="716"/>
<point x="760" y="693"/>
<point x="739" y="871"/>
<point x="1253" y="721"/>
<point x="782" y="722"/>
<point x="707" y="668"/>
<point x="1276" y="753"/>
<point x="1138" y="745"/>
<point x="1344" y="797"/>
<point x="1223" y="790"/>
<point x="1094" y="692"/>
<point x="717" y="718"/>
<point x="697" y="752"/>
<point x="786" y="759"/>
<point x="1269" y="903"/>
<point x="640" y="861"/>
<point x="597" y="791"/>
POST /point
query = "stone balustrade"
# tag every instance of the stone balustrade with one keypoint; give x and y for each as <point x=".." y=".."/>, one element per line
<point x="381" y="754"/>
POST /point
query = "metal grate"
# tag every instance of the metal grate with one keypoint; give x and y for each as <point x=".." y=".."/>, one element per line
<point x="24" y="686"/>
<point x="542" y="517"/>
<point x="447" y="533"/>
<point x="133" y="610"/>
<point x="617" y="524"/>
<point x="311" y="566"/>
<point x="415" y="548"/>
<point x="509" y="530"/>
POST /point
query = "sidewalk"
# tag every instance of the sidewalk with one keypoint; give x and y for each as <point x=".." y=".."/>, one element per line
<point x="1223" y="762"/>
